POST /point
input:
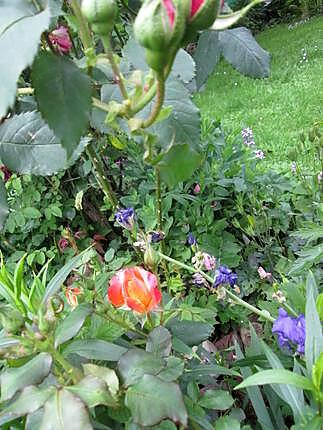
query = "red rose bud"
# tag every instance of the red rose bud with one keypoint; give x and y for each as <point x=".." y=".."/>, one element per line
<point x="61" y="40"/>
<point x="202" y="15"/>
<point x="159" y="28"/>
<point x="101" y="14"/>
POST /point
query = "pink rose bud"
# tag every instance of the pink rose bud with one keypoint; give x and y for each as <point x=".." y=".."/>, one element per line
<point x="61" y="40"/>
<point x="197" y="189"/>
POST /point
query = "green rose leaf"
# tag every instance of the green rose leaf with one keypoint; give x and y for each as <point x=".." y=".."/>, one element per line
<point x="72" y="324"/>
<point x="65" y="411"/>
<point x="159" y="342"/>
<point x="33" y="372"/>
<point x="151" y="400"/>
<point x="28" y="145"/>
<point x="95" y="349"/>
<point x="20" y="33"/>
<point x="216" y="399"/>
<point x="63" y="93"/>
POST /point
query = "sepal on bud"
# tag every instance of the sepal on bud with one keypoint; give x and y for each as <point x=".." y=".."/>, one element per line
<point x="159" y="28"/>
<point x="202" y="15"/>
<point x="101" y="14"/>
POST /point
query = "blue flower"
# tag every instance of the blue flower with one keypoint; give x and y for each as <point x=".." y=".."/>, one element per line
<point x="290" y="330"/>
<point x="126" y="218"/>
<point x="191" y="239"/>
<point x="225" y="276"/>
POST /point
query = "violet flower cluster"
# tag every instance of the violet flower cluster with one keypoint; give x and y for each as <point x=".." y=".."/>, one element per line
<point x="225" y="276"/>
<point x="290" y="331"/>
<point x="126" y="218"/>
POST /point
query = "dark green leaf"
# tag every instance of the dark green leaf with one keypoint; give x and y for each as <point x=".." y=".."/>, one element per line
<point x="190" y="332"/>
<point x="307" y="258"/>
<point x="159" y="342"/>
<point x="33" y="372"/>
<point x="31" y="399"/>
<point x="65" y="411"/>
<point x="207" y="55"/>
<point x="173" y="370"/>
<point x="72" y="323"/>
<point x="136" y="362"/>
<point x="184" y="66"/>
<point x="243" y="52"/>
<point x="314" y="336"/>
<point x="93" y="391"/>
<point x="63" y="93"/>
<point x="216" y="399"/>
<point x="18" y="46"/>
<point x="152" y="400"/>
<point x="225" y="21"/>
<point x="208" y="370"/>
<point x="28" y="145"/>
<point x="95" y="349"/>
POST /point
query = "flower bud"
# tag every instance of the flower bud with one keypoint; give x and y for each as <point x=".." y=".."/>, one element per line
<point x="159" y="28"/>
<point x="150" y="258"/>
<point x="202" y="15"/>
<point x="101" y="14"/>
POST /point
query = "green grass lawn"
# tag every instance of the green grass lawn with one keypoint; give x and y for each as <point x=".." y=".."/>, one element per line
<point x="277" y="108"/>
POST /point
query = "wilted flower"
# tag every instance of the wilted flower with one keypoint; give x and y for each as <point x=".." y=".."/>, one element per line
<point x="191" y="239"/>
<point x="197" y="189"/>
<point x="199" y="281"/>
<point x="279" y="296"/>
<point x="293" y="167"/>
<point x="61" y="40"/>
<point x="156" y="236"/>
<point x="63" y="244"/>
<point x="290" y="330"/>
<point x="263" y="274"/>
<point x="247" y="136"/>
<point x="71" y="294"/>
<point x="209" y="261"/>
<point x="126" y="218"/>
<point x="79" y="234"/>
<point x="259" y="154"/>
<point x="6" y="172"/>
<point x="134" y="288"/>
<point x="225" y="276"/>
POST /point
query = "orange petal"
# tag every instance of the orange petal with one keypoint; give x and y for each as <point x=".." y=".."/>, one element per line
<point x="115" y="290"/>
<point x="136" y="306"/>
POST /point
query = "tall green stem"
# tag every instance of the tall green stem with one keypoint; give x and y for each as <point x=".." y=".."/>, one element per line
<point x="109" y="52"/>
<point x="159" y="200"/>
<point x="101" y="176"/>
<point x="236" y="299"/>
<point x="85" y="33"/>
<point x="159" y="101"/>
<point x="75" y="374"/>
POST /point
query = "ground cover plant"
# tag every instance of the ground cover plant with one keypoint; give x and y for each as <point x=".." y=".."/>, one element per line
<point x="153" y="275"/>
<point x="288" y="96"/>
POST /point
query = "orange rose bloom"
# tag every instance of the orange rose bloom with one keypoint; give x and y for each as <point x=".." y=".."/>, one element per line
<point x="134" y="288"/>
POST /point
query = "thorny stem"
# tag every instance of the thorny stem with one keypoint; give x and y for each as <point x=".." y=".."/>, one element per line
<point x="74" y="373"/>
<point x="236" y="299"/>
<point x="159" y="200"/>
<point x="116" y="71"/>
<point x="159" y="101"/>
<point x="101" y="176"/>
<point x="122" y="324"/>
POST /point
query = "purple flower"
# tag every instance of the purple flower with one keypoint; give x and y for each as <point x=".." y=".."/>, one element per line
<point x="290" y="330"/>
<point x="247" y="136"/>
<point x="126" y="218"/>
<point x="191" y="239"/>
<point x="199" y="281"/>
<point x="6" y="172"/>
<point x="197" y="189"/>
<point x="225" y="276"/>
<point x="156" y="236"/>
<point x="259" y="154"/>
